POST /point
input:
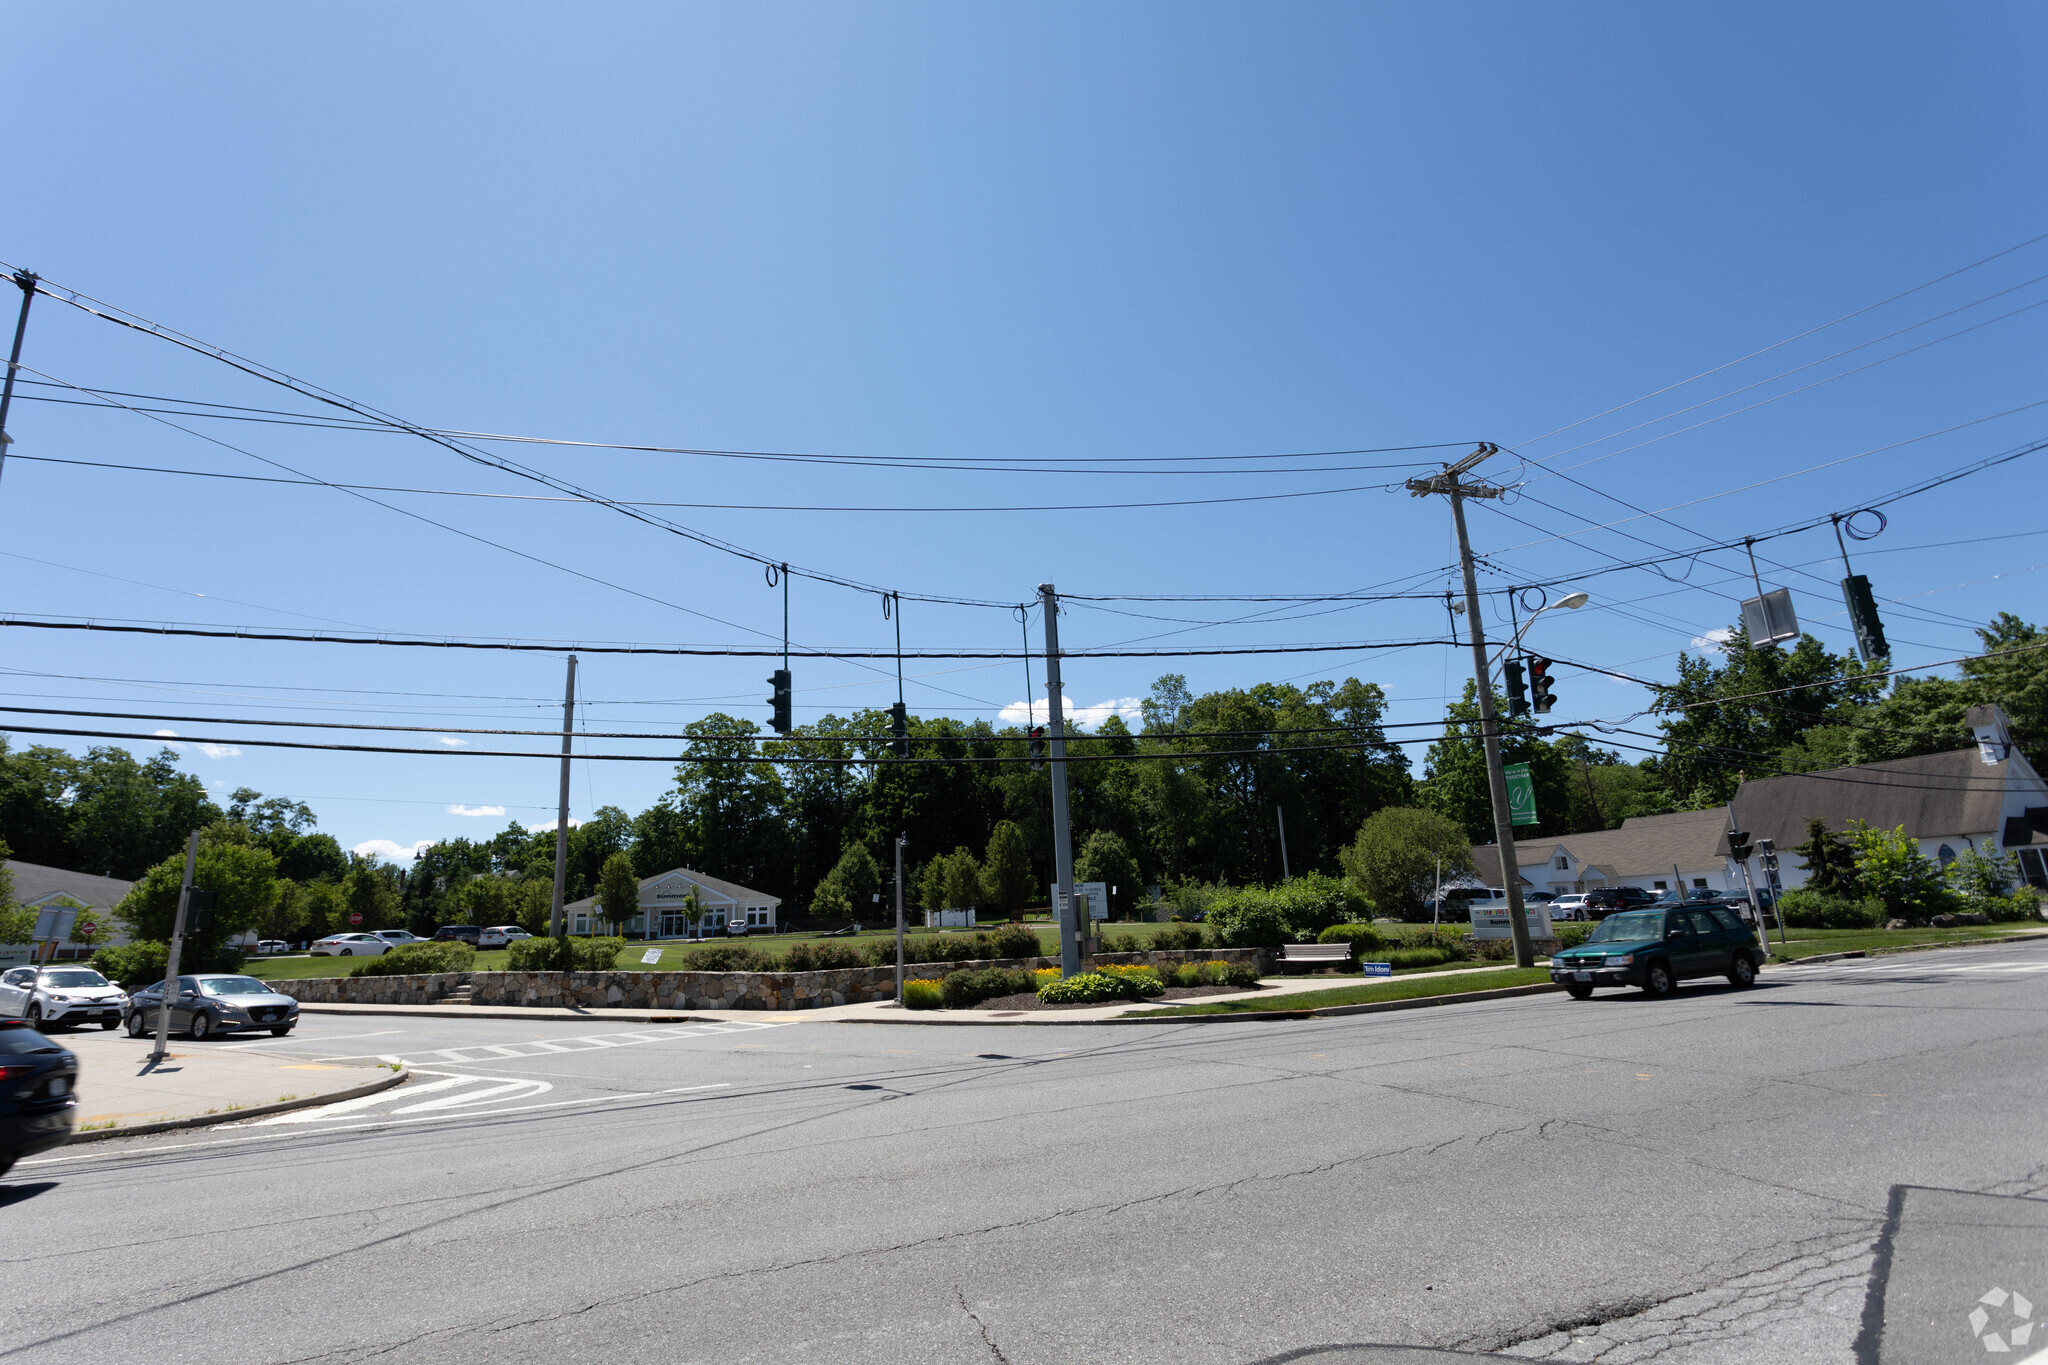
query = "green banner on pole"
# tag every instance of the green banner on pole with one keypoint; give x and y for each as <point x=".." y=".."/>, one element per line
<point x="1521" y="794"/>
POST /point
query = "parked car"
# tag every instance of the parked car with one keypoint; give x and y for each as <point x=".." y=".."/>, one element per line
<point x="57" y="997"/>
<point x="1568" y="907"/>
<point x="272" y="945"/>
<point x="458" y="933"/>
<point x="501" y="936"/>
<point x="1538" y="897"/>
<point x="1656" y="949"/>
<point x="38" y="1093"/>
<point x="394" y="937"/>
<point x="1606" y="900"/>
<point x="736" y="928"/>
<point x="349" y="945"/>
<point x="217" y="1002"/>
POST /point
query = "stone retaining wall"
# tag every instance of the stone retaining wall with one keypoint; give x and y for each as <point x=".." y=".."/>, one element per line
<point x="686" y="990"/>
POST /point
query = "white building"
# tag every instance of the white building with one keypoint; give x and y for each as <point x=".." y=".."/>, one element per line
<point x="58" y="897"/>
<point x="662" y="901"/>
<point x="1651" y="852"/>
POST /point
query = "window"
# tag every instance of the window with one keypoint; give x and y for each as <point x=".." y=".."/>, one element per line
<point x="1699" y="883"/>
<point x="1945" y="855"/>
<point x="2033" y="867"/>
<point x="1657" y="886"/>
<point x="1564" y="862"/>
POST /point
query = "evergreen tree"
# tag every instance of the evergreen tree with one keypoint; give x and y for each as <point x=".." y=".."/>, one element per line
<point x="1830" y="863"/>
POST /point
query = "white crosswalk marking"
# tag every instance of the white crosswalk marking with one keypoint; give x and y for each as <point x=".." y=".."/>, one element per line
<point x="476" y="1053"/>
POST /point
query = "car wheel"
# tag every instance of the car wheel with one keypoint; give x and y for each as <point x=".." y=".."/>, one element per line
<point x="346" y="952"/>
<point x="281" y="1032"/>
<point x="202" y="1024"/>
<point x="1743" y="974"/>
<point x="1658" y="981"/>
<point x="110" y="1023"/>
<point x="138" y="1025"/>
<point x="1578" y="990"/>
<point x="35" y="1019"/>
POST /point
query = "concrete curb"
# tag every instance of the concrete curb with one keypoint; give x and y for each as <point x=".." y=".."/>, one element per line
<point x="518" y="1012"/>
<point x="1249" y="1016"/>
<point x="383" y="1083"/>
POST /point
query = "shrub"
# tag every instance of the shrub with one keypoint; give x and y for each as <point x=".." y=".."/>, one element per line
<point x="1180" y="938"/>
<point x="1571" y="935"/>
<point x="1293" y="912"/>
<point x="1805" y="909"/>
<point x="1363" y="938"/>
<point x="1043" y="975"/>
<point x="1186" y="974"/>
<point x="408" y="959"/>
<point x="936" y="948"/>
<point x="1408" y="958"/>
<point x="964" y="990"/>
<point x="823" y="957"/>
<point x="1089" y="988"/>
<point x="1146" y="978"/>
<point x="1121" y="943"/>
<point x="133" y="964"/>
<point x="1494" y="949"/>
<point x="563" y="954"/>
<point x="1240" y="974"/>
<point x="921" y="995"/>
<point x="1014" y="940"/>
<point x="730" y="957"/>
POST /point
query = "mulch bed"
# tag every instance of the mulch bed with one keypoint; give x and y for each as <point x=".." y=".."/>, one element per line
<point x="1018" y="1003"/>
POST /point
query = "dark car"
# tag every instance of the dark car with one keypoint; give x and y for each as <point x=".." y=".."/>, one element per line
<point x="1656" y="949"/>
<point x="459" y="933"/>
<point x="1606" y="900"/>
<point x="38" y="1099"/>
<point x="217" y="1002"/>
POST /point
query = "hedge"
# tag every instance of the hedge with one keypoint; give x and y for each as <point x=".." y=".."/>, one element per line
<point x="565" y="954"/>
<point x="1802" y="908"/>
<point x="1293" y="912"/>
<point x="1362" y="938"/>
<point x="965" y="990"/>
<point x="408" y="959"/>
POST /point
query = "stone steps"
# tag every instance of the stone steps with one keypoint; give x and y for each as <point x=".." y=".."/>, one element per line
<point x="457" y="995"/>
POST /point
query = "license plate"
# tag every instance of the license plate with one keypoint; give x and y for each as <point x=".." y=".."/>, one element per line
<point x="1582" y="976"/>
<point x="59" y="1086"/>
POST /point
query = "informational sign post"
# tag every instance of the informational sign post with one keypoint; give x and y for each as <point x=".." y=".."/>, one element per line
<point x="1378" y="968"/>
<point x="1095" y="893"/>
<point x="1490" y="920"/>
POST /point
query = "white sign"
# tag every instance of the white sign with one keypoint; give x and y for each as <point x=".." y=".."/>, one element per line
<point x="1490" y="920"/>
<point x="1095" y="893"/>
<point x="651" y="956"/>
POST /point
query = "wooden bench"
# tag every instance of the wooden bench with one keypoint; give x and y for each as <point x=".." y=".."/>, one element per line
<point x="1309" y="956"/>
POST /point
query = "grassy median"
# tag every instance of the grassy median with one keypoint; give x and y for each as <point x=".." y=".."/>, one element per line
<point x="1407" y="988"/>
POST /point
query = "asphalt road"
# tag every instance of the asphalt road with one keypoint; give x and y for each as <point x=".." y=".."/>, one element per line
<point x="1704" y="1179"/>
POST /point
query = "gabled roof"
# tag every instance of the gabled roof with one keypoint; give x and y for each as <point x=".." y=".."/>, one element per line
<point x="1643" y="846"/>
<point x="33" y="882"/>
<point x="1931" y="795"/>
<point x="731" y="890"/>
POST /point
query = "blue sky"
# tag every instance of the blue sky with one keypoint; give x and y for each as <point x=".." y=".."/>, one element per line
<point x="1029" y="234"/>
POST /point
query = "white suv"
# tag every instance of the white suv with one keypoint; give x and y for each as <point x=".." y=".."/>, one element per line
<point x="61" y="995"/>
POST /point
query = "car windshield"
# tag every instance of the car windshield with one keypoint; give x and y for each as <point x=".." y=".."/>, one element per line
<point x="76" y="977"/>
<point x="20" y="1040"/>
<point x="233" y="985"/>
<point x="1635" y="926"/>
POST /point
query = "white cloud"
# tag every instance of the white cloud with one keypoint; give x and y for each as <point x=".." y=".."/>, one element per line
<point x="455" y="743"/>
<point x="167" y="734"/>
<point x="476" y="810"/>
<point x="1715" y="640"/>
<point x="1077" y="717"/>
<point x="390" y="851"/>
<point x="550" y="824"/>
<point x="220" y="751"/>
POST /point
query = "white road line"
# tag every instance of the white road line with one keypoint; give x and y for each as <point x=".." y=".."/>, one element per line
<point x="328" y="1038"/>
<point x="364" y="1101"/>
<point x="504" y="1090"/>
<point x="157" y="1151"/>
<point x="506" y="1051"/>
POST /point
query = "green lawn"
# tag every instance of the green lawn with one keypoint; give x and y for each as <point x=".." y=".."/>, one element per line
<point x="1409" y="988"/>
<point x="1811" y="942"/>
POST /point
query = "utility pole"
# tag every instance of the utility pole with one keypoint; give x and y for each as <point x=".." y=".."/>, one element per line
<point x="1062" y="836"/>
<point x="901" y="840"/>
<point x="163" y="1014"/>
<point x="27" y="280"/>
<point x="1449" y="483"/>
<point x="562" y="812"/>
<point x="1281" y="816"/>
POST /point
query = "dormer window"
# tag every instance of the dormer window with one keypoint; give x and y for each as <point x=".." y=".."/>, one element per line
<point x="1564" y="862"/>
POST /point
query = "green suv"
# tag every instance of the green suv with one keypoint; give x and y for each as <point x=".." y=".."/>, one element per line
<point x="1656" y="949"/>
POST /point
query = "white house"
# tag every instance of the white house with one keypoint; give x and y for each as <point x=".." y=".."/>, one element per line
<point x="58" y="897"/>
<point x="1650" y="852"/>
<point x="662" y="898"/>
<point x="1988" y="798"/>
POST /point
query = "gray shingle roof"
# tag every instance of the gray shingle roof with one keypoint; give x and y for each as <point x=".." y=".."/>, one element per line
<point x="1643" y="845"/>
<point x="1935" y="794"/>
<point x="33" y="881"/>
<point x="741" y="894"/>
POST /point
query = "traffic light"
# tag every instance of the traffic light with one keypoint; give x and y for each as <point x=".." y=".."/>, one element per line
<point x="198" y="911"/>
<point x="1539" y="686"/>
<point x="1037" y="733"/>
<point x="899" y="729"/>
<point x="1739" y="847"/>
<point x="779" y="720"/>
<point x="1767" y="852"/>
<point x="1518" y="691"/>
<point x="1862" y="604"/>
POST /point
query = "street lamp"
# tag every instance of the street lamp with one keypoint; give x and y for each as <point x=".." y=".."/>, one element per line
<point x="1573" y="601"/>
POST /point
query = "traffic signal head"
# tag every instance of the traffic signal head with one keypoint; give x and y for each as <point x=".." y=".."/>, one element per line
<point x="1767" y="851"/>
<point x="198" y="911"/>
<point x="899" y="729"/>
<point x="1518" y="690"/>
<point x="1739" y="847"/>
<point x="1037" y="733"/>
<point x="1539" y="686"/>
<point x="778" y="701"/>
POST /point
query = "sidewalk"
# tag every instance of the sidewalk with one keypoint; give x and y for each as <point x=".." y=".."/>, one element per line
<point x="120" y="1094"/>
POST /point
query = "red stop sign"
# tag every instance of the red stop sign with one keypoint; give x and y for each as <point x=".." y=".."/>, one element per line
<point x="355" y="917"/>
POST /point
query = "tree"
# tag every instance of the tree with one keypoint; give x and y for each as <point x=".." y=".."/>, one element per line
<point x="288" y="912"/>
<point x="1398" y="855"/>
<point x="1980" y="875"/>
<point x="325" y="909"/>
<point x="1105" y="859"/>
<point x="88" y="926"/>
<point x="1456" y="783"/>
<point x="1890" y="866"/>
<point x="1829" y="861"/>
<point x="1007" y="883"/>
<point x="370" y="890"/>
<point x="243" y="881"/>
<point x="16" y="925"/>
<point x="618" y="891"/>
<point x="960" y="881"/>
